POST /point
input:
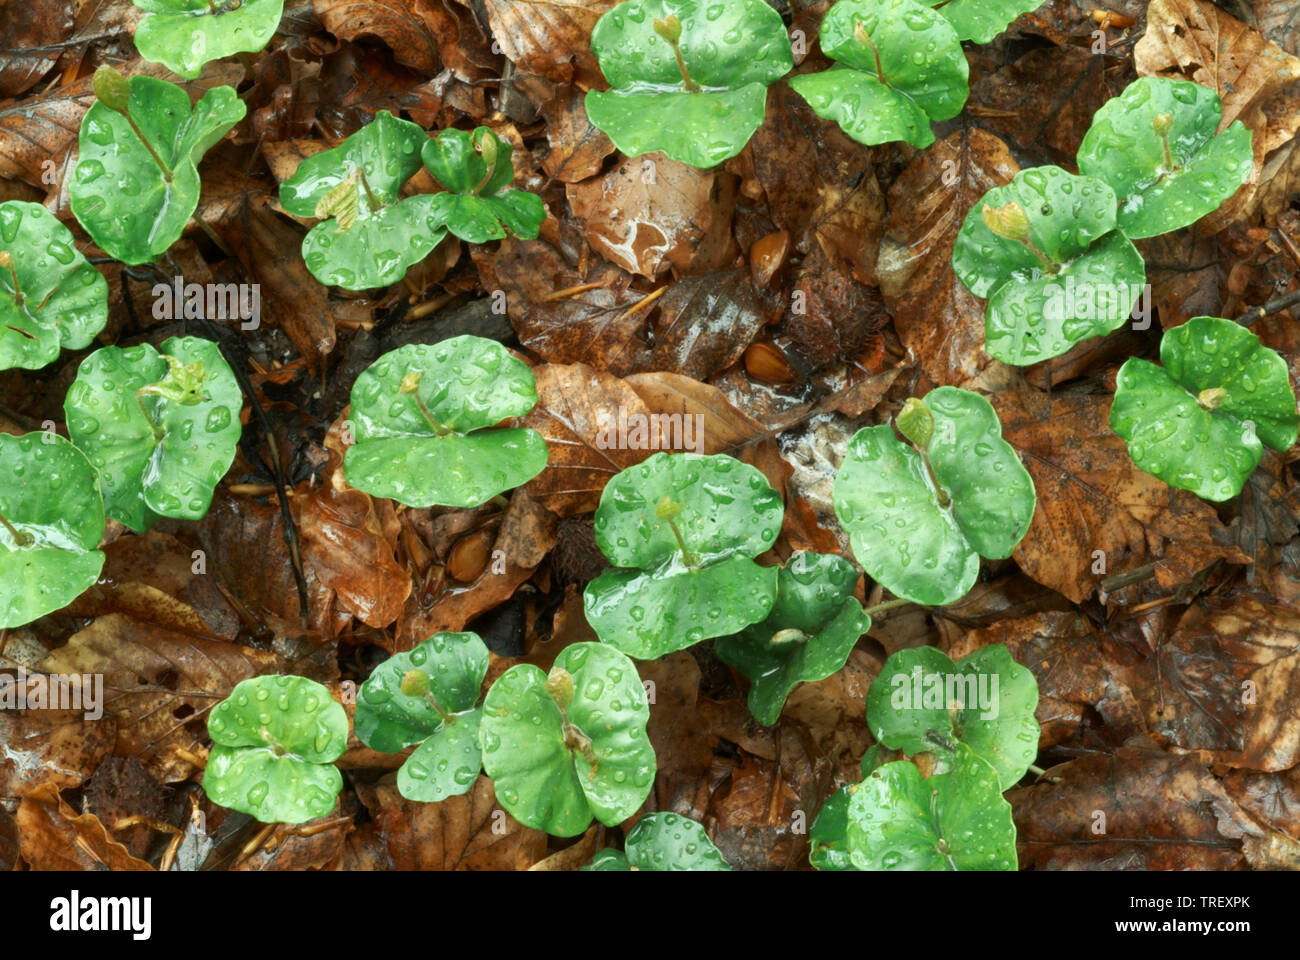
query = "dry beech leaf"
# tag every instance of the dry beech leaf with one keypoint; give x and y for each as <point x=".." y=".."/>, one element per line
<point x="937" y="318"/>
<point x="53" y="837"/>
<point x="578" y="150"/>
<point x="543" y="36"/>
<point x="397" y="23"/>
<point x="62" y="747"/>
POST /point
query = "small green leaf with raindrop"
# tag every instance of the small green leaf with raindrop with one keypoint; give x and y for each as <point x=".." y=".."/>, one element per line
<point x="922" y="702"/>
<point x="51" y="523"/>
<point x="50" y="295"/>
<point x="428" y="696"/>
<point x="982" y="20"/>
<point x="1159" y="147"/>
<point x="477" y="204"/>
<point x="687" y="77"/>
<point x="828" y="837"/>
<point x="369" y="235"/>
<point x="919" y="515"/>
<point x="665" y="842"/>
<point x="807" y="636"/>
<point x="957" y="820"/>
<point x="160" y="426"/>
<point x="1045" y="253"/>
<point x="136" y="183"/>
<point x="426" y="418"/>
<point x="183" y="35"/>
<point x="898" y="67"/>
<point x="681" y="531"/>
<point x="274" y="742"/>
<point x="564" y="747"/>
<point x="1200" y="420"/>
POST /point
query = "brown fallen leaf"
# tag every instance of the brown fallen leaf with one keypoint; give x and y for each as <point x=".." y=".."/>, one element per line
<point x="468" y="832"/>
<point x="937" y="318"/>
<point x="1098" y="514"/>
<point x="574" y="856"/>
<point x="396" y="22"/>
<point x="650" y="213"/>
<point x="159" y="684"/>
<point x="1136" y="809"/>
<point x="62" y="747"/>
<point x="577" y="149"/>
<point x="543" y="36"/>
<point x="52" y="836"/>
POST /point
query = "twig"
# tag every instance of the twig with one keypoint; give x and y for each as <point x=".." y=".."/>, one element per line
<point x="1276" y="305"/>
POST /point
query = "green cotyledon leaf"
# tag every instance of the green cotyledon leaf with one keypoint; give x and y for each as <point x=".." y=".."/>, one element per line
<point x="953" y="821"/>
<point x="275" y="739"/>
<point x="50" y="295"/>
<point x="982" y="20"/>
<point x="1197" y="422"/>
<point x="923" y="702"/>
<point x="1158" y="191"/>
<point x="921" y="536"/>
<point x="183" y="35"/>
<point x="731" y="52"/>
<point x="51" y="523"/>
<point x="126" y="201"/>
<point x="807" y="636"/>
<point x="899" y="66"/>
<point x="564" y="748"/>
<point x="424" y="416"/>
<point x="160" y="426"/>
<point x="681" y="531"/>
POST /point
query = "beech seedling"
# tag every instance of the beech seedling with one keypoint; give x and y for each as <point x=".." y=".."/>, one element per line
<point x="51" y="523"/>
<point x="807" y="636"/>
<point x="920" y="514"/>
<point x="50" y="295"/>
<point x="922" y="702"/>
<point x="136" y="183"/>
<point x="477" y="204"/>
<point x="681" y="531"/>
<point x="369" y="235"/>
<point x="183" y="35"/>
<point x="160" y="426"/>
<point x="564" y="747"/>
<point x="428" y="696"/>
<point x="1199" y="420"/>
<point x="274" y="742"/>
<point x="425" y="419"/>
<point x="1158" y="146"/>
<point x="1045" y="252"/>
<point x="982" y="20"/>
<point x="663" y="841"/>
<point x="687" y="77"/>
<point x="898" y="66"/>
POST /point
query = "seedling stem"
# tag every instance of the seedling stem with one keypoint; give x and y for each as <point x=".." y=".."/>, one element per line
<point x="1162" y="125"/>
<point x="1211" y="398"/>
<point x="670" y="28"/>
<point x="7" y="261"/>
<point x="667" y="509"/>
<point x="860" y="34"/>
<point x="1012" y="223"/>
<point x="916" y="423"/>
<point x="20" y="539"/>
<point x="411" y="384"/>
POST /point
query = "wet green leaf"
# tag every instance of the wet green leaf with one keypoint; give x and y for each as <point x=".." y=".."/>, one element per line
<point x="53" y="520"/>
<point x="119" y="193"/>
<point x="807" y="636"/>
<point x="555" y="771"/>
<point x="828" y="838"/>
<point x="160" y="437"/>
<point x="183" y="35"/>
<point x="899" y="66"/>
<point x="731" y="51"/>
<point x="658" y="598"/>
<point x="1209" y="447"/>
<point x="923" y="702"/>
<point x="663" y="841"/>
<point x="452" y="456"/>
<point x="901" y="532"/>
<point x="274" y="740"/>
<point x="476" y="206"/>
<point x="1124" y="149"/>
<point x="50" y="296"/>
<point x="982" y="20"/>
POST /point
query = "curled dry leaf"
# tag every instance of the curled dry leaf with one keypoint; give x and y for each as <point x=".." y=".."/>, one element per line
<point x="398" y="23"/>
<point x="53" y="837"/>
<point x="937" y="318"/>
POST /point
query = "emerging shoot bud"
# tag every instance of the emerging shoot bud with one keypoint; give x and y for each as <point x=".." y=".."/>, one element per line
<point x="112" y="89"/>
<point x="916" y="422"/>
<point x="667" y="509"/>
<point x="6" y="261"/>
<point x="1009" y="221"/>
<point x="860" y="33"/>
<point x="669" y="27"/>
<point x="415" y="683"/>
<point x="559" y="687"/>
<point x="1163" y="124"/>
<point x="342" y="201"/>
<point x="1211" y="397"/>
<point x="790" y="635"/>
<point x="410" y="382"/>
